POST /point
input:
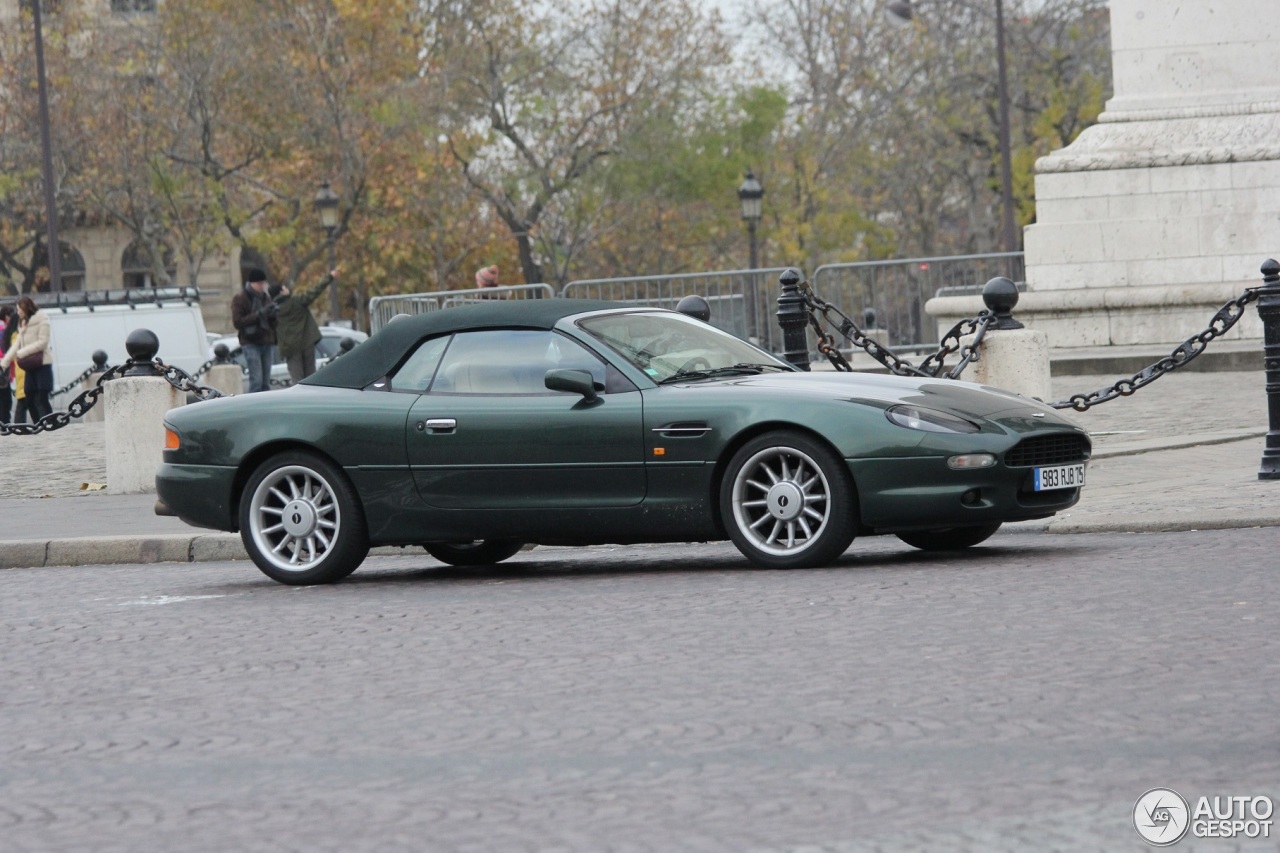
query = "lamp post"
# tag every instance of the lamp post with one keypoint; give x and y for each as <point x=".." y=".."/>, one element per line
<point x="749" y="196"/>
<point x="326" y="205"/>
<point x="46" y="150"/>
<point x="901" y="11"/>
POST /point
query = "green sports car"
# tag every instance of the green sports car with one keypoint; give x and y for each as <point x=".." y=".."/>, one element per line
<point x="471" y="431"/>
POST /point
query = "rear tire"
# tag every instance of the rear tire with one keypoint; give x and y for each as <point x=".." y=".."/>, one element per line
<point x="301" y="520"/>
<point x="788" y="502"/>
<point x="482" y="552"/>
<point x="949" y="538"/>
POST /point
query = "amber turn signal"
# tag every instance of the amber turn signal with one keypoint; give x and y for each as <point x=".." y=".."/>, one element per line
<point x="171" y="440"/>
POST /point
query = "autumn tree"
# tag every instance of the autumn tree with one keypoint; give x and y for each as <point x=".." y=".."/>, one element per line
<point x="539" y="98"/>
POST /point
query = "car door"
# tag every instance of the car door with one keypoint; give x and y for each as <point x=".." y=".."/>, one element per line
<point x="488" y="434"/>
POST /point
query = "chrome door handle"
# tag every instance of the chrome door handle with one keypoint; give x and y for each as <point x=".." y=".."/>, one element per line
<point x="439" y="425"/>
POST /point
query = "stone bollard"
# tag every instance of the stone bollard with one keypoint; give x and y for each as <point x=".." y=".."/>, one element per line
<point x="135" y="406"/>
<point x="225" y="375"/>
<point x="1012" y="357"/>
<point x="98" y="413"/>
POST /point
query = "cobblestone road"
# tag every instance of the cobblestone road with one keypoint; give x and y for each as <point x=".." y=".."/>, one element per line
<point x="1019" y="697"/>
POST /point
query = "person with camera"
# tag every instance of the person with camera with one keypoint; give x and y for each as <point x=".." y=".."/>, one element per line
<point x="253" y="313"/>
<point x="298" y="333"/>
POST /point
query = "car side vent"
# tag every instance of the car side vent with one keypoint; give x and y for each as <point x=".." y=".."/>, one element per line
<point x="1040" y="450"/>
<point x="683" y="429"/>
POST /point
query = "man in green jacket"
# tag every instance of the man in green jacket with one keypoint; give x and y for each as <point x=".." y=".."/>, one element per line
<point x="296" y="332"/>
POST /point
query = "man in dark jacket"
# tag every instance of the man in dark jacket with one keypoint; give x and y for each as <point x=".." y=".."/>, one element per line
<point x="254" y="316"/>
<point x="297" y="334"/>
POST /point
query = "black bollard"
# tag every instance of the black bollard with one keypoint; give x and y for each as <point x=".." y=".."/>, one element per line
<point x="1001" y="295"/>
<point x="99" y="361"/>
<point x="1269" y="311"/>
<point x="793" y="317"/>
<point x="142" y="346"/>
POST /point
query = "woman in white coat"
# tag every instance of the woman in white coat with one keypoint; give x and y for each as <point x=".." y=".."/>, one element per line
<point x="33" y="338"/>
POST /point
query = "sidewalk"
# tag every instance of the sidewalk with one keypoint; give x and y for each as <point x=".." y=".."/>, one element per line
<point x="1181" y="454"/>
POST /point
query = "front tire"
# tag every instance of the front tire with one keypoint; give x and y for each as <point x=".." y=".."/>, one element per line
<point x="482" y="552"/>
<point x="949" y="538"/>
<point x="301" y="521"/>
<point x="788" y="502"/>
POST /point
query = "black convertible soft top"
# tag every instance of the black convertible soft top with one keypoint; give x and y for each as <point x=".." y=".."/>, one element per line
<point x="374" y="358"/>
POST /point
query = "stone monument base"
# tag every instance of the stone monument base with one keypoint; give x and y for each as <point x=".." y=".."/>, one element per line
<point x="1099" y="316"/>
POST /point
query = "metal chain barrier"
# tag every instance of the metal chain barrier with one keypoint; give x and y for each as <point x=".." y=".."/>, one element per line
<point x="183" y="381"/>
<point x="1226" y="317"/>
<point x="175" y="376"/>
<point x="204" y="368"/>
<point x="74" y="382"/>
<point x="77" y="409"/>
<point x="931" y="367"/>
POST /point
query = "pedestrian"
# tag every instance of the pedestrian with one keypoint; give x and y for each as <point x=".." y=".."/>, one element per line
<point x="297" y="333"/>
<point x="21" y="409"/>
<point x="254" y="316"/>
<point x="31" y="352"/>
<point x="487" y="277"/>
<point x="8" y="328"/>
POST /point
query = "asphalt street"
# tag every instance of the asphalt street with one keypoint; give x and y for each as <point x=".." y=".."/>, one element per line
<point x="1018" y="697"/>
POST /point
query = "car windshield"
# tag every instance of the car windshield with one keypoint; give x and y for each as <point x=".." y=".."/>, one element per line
<point x="670" y="347"/>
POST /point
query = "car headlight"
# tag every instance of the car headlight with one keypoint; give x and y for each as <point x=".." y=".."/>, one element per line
<point x="929" y="420"/>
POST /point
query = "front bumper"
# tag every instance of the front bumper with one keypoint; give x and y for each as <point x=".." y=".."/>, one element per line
<point x="922" y="493"/>
<point x="200" y="495"/>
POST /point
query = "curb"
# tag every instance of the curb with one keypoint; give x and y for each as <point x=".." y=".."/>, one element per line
<point x="121" y="550"/>
<point x="214" y="547"/>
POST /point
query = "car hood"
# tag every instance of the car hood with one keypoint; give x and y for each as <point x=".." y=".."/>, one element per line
<point x="967" y="399"/>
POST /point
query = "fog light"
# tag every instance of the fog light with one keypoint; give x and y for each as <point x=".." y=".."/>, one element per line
<point x="971" y="497"/>
<point x="971" y="460"/>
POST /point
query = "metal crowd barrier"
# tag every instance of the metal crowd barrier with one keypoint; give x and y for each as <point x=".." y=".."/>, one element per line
<point x="383" y="308"/>
<point x="742" y="301"/>
<point x="892" y="294"/>
<point x="888" y="295"/>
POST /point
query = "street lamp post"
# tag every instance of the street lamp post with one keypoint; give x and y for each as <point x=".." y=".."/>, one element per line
<point x="46" y="150"/>
<point x="326" y="205"/>
<point x="901" y="10"/>
<point x="749" y="196"/>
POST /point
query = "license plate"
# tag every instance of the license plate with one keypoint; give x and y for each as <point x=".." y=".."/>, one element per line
<point x="1059" y="477"/>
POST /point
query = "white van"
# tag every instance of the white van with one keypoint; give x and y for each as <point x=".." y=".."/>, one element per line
<point x="84" y="322"/>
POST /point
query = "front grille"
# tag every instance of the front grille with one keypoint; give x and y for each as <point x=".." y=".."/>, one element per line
<point x="1041" y="450"/>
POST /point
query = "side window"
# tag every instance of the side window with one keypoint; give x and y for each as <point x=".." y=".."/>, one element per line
<point x="510" y="361"/>
<point x="416" y="373"/>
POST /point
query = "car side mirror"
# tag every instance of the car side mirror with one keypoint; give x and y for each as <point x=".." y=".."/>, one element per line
<point x="573" y="381"/>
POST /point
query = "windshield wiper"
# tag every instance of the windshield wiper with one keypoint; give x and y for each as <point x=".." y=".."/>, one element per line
<point x="740" y="369"/>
